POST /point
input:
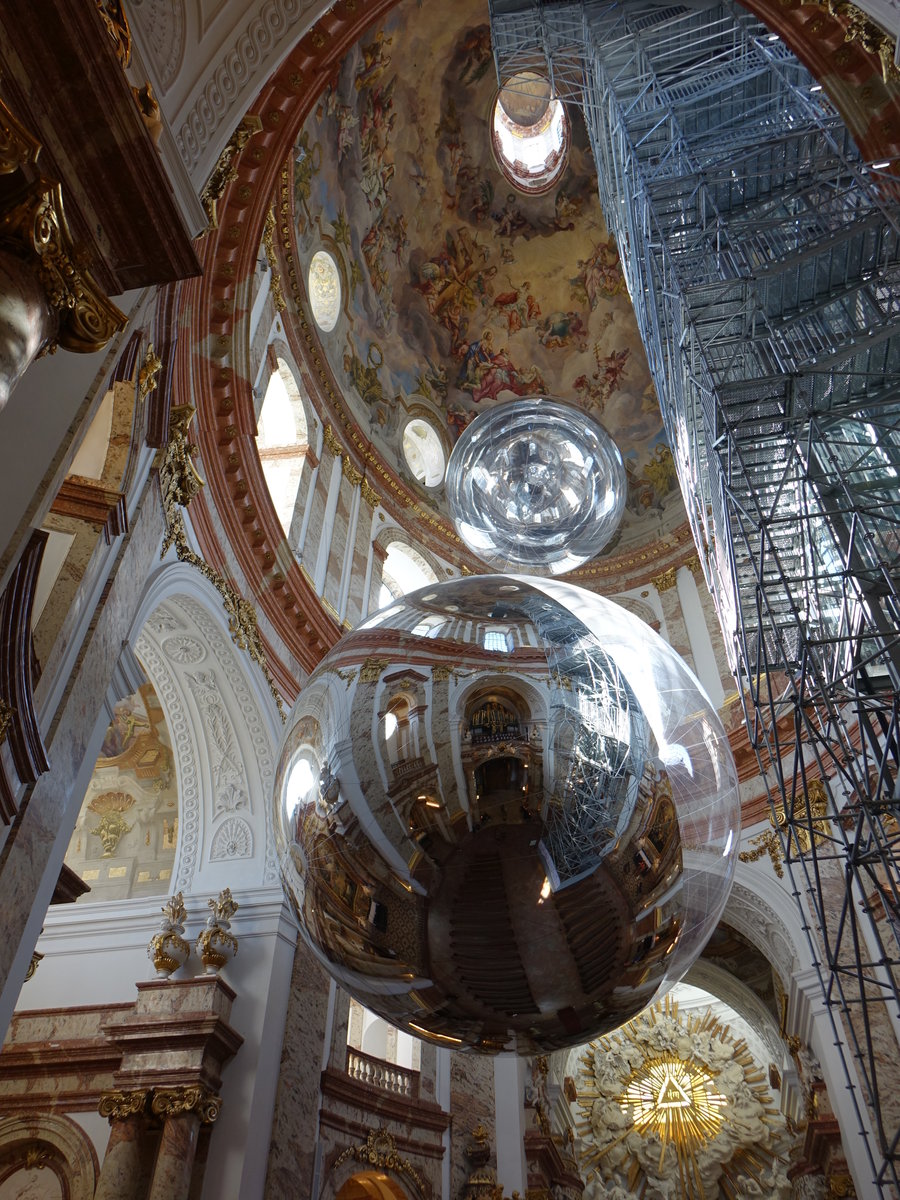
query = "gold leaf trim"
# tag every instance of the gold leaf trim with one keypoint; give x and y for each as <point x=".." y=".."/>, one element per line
<point x="179" y="483"/>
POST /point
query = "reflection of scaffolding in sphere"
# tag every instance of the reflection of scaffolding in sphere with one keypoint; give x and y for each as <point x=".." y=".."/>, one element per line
<point x="610" y="745"/>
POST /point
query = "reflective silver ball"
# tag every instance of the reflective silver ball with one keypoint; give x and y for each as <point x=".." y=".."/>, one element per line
<point x="536" y="486"/>
<point x="507" y="815"/>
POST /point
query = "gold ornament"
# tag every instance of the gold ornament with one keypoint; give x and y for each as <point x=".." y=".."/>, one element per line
<point x="225" y="170"/>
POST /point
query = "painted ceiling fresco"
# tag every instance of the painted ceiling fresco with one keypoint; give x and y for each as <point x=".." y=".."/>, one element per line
<point x="458" y="291"/>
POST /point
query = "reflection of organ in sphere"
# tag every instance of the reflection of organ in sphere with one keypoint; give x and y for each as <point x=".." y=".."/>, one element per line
<point x="506" y="814"/>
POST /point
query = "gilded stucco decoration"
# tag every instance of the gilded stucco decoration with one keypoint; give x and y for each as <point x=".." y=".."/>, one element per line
<point x="180" y="482"/>
<point x="35" y="222"/>
<point x="380" y="1150"/>
<point x="217" y="945"/>
<point x="168" y="949"/>
<point x="677" y="1106"/>
<point x="225" y="170"/>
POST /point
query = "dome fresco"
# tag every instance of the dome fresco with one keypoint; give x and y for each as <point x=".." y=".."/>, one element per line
<point x="458" y="291"/>
<point x="506" y="814"/>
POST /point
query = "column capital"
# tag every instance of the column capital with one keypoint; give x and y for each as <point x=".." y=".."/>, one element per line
<point x="119" y="1105"/>
<point x="184" y="1099"/>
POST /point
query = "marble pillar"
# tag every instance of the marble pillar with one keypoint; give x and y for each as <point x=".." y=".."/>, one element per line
<point x="125" y="1171"/>
<point x="175" y="1157"/>
<point x="31" y="857"/>
<point x="27" y="322"/>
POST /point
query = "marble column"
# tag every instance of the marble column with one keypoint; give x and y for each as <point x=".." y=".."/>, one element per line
<point x="175" y="1157"/>
<point x="27" y="322"/>
<point x="125" y="1171"/>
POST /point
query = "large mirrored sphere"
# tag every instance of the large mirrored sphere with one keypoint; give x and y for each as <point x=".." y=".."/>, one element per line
<point x="506" y="814"/>
<point x="535" y="486"/>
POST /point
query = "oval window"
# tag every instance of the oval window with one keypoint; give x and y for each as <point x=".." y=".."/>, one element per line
<point x="530" y="133"/>
<point x="324" y="290"/>
<point x="424" y="452"/>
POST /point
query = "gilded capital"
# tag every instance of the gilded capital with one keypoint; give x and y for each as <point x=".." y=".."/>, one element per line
<point x="665" y="581"/>
<point x="332" y="442"/>
<point x="369" y="494"/>
<point x="351" y="473"/>
<point x="118" y="1105"/>
<point x="184" y="1099"/>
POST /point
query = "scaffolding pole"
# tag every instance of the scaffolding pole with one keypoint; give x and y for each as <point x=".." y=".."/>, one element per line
<point x="763" y="260"/>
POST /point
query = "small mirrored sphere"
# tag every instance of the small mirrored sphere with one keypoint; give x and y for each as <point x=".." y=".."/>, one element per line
<point x="506" y="814"/>
<point x="535" y="486"/>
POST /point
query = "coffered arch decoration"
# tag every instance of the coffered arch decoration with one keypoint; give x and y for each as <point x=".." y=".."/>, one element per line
<point x="35" y="1144"/>
<point x="222" y="736"/>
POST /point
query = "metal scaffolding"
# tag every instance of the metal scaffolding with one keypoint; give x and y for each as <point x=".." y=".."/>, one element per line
<point x="763" y="259"/>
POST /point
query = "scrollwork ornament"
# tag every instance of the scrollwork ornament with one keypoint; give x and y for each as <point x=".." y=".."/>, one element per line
<point x="119" y="1105"/>
<point x="17" y="146"/>
<point x="380" y="1150"/>
<point x="36" y="224"/>
<point x="187" y="1098"/>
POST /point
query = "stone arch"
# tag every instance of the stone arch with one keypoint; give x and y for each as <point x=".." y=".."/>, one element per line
<point x="380" y="1152"/>
<point x="371" y="1185"/>
<point x="49" y="1142"/>
<point x="223" y="729"/>
<point x="392" y="535"/>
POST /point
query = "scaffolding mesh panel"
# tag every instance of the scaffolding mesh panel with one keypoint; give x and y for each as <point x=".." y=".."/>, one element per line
<point x="763" y="260"/>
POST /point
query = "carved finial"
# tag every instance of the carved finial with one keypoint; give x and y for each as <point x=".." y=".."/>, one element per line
<point x="216" y="945"/>
<point x="168" y="950"/>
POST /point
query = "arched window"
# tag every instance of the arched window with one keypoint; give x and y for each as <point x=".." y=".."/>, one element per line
<point x="404" y="571"/>
<point x="283" y="441"/>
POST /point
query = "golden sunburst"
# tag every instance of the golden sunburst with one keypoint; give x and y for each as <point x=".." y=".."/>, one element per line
<point x="678" y="1101"/>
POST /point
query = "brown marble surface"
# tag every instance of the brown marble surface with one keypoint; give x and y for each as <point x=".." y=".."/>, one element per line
<point x="296" y="1119"/>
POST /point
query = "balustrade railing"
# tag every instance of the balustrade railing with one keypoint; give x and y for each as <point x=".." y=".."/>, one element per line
<point x="378" y="1073"/>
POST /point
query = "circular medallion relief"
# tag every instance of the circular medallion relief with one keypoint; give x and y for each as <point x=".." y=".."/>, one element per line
<point x="324" y="290"/>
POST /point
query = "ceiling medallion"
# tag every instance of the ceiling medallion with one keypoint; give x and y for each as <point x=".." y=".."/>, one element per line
<point x="324" y="290"/>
